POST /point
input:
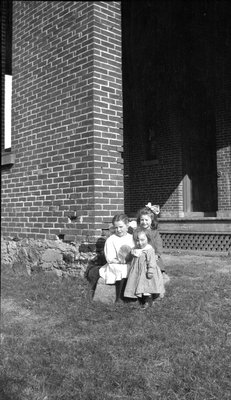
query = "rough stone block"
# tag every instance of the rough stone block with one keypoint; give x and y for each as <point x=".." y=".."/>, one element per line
<point x="51" y="256"/>
<point x="104" y="293"/>
<point x="20" y="268"/>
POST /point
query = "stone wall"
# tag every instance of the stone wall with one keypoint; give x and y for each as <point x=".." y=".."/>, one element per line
<point x="29" y="256"/>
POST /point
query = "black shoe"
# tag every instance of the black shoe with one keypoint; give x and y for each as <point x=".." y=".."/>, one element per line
<point x="144" y="306"/>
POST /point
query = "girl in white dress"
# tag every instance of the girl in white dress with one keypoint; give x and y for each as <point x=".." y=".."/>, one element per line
<point x="117" y="252"/>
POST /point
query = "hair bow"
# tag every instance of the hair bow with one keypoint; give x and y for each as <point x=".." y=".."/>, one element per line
<point x="155" y="209"/>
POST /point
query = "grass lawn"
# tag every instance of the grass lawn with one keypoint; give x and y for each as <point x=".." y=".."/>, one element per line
<point x="57" y="345"/>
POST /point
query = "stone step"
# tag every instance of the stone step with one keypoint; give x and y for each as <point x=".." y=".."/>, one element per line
<point x="104" y="293"/>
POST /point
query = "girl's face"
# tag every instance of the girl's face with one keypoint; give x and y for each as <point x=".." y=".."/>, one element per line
<point x="142" y="240"/>
<point x="145" y="221"/>
<point x="120" y="228"/>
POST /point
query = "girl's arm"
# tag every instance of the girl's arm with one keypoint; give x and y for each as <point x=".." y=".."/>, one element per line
<point x="151" y="263"/>
<point x="158" y="246"/>
<point x="157" y="243"/>
<point x="110" y="251"/>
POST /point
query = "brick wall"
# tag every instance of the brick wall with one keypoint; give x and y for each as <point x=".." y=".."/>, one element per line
<point x="223" y="107"/>
<point x="224" y="164"/>
<point x="150" y="102"/>
<point x="176" y="80"/>
<point x="108" y="133"/>
<point x="67" y="115"/>
<point x="67" y="178"/>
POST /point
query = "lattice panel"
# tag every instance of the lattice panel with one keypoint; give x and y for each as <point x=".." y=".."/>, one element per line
<point x="197" y="241"/>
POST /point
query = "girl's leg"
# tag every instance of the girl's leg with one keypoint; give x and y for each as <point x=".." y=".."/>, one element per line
<point x="120" y="287"/>
<point x="93" y="277"/>
<point x="141" y="300"/>
<point x="147" y="301"/>
<point x="150" y="301"/>
<point x="155" y="296"/>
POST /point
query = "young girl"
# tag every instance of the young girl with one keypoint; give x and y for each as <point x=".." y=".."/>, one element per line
<point x="117" y="251"/>
<point x="145" y="278"/>
<point x="147" y="219"/>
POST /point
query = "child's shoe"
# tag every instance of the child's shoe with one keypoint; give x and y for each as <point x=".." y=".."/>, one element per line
<point x="148" y="302"/>
<point x="144" y="306"/>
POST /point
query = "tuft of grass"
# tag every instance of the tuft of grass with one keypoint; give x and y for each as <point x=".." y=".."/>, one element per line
<point x="57" y="345"/>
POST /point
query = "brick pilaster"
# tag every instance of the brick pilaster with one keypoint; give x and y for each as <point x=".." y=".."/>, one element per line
<point x="67" y="178"/>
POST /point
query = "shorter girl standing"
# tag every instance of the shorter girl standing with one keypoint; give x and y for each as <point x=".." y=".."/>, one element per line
<point x="117" y="251"/>
<point x="145" y="278"/>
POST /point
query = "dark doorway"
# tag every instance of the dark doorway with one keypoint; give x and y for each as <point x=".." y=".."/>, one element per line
<point x="169" y="91"/>
<point x="199" y="156"/>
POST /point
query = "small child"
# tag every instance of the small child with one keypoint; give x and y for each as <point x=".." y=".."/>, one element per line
<point x="145" y="278"/>
<point x="117" y="251"/>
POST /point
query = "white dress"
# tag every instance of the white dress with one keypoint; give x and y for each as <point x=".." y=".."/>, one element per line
<point x="116" y="248"/>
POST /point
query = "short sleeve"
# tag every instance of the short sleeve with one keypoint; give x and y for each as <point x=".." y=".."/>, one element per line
<point x="110" y="250"/>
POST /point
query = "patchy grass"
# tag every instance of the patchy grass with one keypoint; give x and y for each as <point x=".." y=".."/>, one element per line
<point x="57" y="345"/>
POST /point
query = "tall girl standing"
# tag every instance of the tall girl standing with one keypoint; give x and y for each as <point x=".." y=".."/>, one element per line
<point x="117" y="253"/>
<point x="147" y="219"/>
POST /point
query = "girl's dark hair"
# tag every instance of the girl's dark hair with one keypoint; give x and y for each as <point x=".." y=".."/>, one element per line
<point x="120" y="217"/>
<point x="147" y="211"/>
<point x="139" y="230"/>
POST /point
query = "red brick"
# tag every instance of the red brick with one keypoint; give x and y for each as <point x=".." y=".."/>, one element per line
<point x="59" y="133"/>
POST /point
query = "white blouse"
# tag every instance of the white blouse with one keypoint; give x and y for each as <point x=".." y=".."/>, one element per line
<point x="116" y="248"/>
<point x="115" y="244"/>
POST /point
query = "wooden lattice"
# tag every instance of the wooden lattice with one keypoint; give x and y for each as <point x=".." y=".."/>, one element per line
<point x="197" y="241"/>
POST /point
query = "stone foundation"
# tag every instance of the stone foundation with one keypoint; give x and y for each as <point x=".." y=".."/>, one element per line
<point x="28" y="256"/>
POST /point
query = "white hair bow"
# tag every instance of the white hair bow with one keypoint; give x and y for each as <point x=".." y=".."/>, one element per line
<point x="155" y="209"/>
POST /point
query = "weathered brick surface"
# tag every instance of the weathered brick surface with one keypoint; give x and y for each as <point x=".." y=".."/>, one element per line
<point x="181" y="90"/>
<point x="67" y="107"/>
<point x="150" y="104"/>
<point x="223" y="115"/>
<point x="224" y="141"/>
<point x="68" y="177"/>
<point x="224" y="179"/>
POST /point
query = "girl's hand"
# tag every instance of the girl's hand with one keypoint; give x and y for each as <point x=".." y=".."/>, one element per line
<point x="149" y="275"/>
<point x="115" y="261"/>
<point x="136" y="252"/>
